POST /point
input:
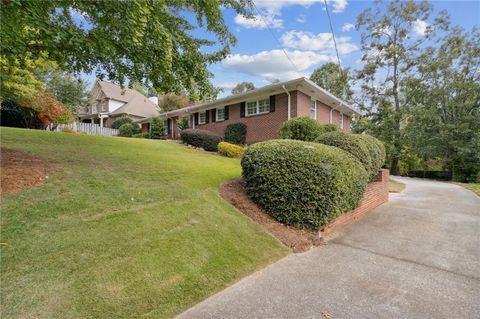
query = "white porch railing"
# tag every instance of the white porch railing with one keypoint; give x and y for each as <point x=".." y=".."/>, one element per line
<point x="89" y="128"/>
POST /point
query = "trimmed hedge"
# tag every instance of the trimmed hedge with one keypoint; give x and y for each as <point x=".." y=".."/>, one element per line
<point x="141" y="135"/>
<point x="236" y="133"/>
<point x="231" y="150"/>
<point x="201" y="138"/>
<point x="127" y="130"/>
<point x="300" y="128"/>
<point x="376" y="148"/>
<point x="301" y="183"/>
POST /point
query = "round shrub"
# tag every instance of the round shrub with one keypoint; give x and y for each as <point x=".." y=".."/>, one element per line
<point x="376" y="148"/>
<point x="325" y="128"/>
<point x="201" y="138"/>
<point x="301" y="183"/>
<point x="126" y="130"/>
<point x="120" y="121"/>
<point x="236" y="133"/>
<point x="230" y="150"/>
<point x="352" y="144"/>
<point x="300" y="128"/>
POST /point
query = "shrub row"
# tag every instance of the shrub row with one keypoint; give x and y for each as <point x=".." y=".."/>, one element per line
<point x="303" y="184"/>
<point x="201" y="138"/>
<point x="366" y="149"/>
<point x="128" y="130"/>
<point x="231" y="150"/>
<point x="304" y="129"/>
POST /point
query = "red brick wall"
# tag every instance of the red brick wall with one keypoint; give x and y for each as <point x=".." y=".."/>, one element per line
<point x="259" y="127"/>
<point x="323" y="113"/>
<point x="302" y="105"/>
<point x="376" y="194"/>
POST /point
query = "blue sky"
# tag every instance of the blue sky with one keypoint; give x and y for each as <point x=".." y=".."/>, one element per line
<point x="301" y="26"/>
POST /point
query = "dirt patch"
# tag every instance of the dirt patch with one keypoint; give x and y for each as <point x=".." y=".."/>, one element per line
<point x="20" y="170"/>
<point x="298" y="240"/>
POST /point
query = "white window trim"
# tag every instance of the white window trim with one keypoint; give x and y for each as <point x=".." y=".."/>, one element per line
<point x="257" y="107"/>
<point x="216" y="115"/>
<point x="341" y="121"/>
<point x="205" y="119"/>
<point x="315" y="116"/>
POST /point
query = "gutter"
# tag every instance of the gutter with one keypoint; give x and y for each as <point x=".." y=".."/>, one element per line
<point x="289" y="101"/>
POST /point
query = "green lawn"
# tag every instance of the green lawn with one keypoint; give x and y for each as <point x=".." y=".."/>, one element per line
<point x="124" y="228"/>
<point x="395" y="187"/>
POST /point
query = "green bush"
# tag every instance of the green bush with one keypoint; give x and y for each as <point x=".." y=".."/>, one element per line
<point x="157" y="129"/>
<point x="201" y="138"/>
<point x="230" y="150"/>
<point x="300" y="128"/>
<point x="127" y="130"/>
<point x="120" y="121"/>
<point x="236" y="133"/>
<point x="376" y="149"/>
<point x="325" y="128"/>
<point x="352" y="144"/>
<point x="141" y="135"/>
<point x="301" y="183"/>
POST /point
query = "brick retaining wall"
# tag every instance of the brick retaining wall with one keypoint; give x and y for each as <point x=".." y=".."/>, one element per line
<point x="376" y="194"/>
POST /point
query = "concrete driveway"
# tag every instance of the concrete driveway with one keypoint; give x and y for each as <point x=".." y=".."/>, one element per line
<point x="416" y="257"/>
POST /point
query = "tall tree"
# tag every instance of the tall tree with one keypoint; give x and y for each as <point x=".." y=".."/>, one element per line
<point x="243" y="87"/>
<point x="445" y="120"/>
<point x="147" y="41"/>
<point x="170" y="102"/>
<point x="390" y="54"/>
<point x="334" y="79"/>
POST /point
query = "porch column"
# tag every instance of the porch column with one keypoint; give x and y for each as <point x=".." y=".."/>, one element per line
<point x="92" y="121"/>
<point x="101" y="121"/>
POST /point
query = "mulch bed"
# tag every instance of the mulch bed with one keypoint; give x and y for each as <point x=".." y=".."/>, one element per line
<point x="298" y="240"/>
<point x="20" y="170"/>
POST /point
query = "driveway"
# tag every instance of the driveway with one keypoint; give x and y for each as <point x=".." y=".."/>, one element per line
<point x="416" y="257"/>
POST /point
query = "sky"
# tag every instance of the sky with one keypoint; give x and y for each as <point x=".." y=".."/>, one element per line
<point x="301" y="28"/>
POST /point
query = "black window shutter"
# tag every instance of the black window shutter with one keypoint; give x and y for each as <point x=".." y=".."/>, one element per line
<point x="272" y="103"/>
<point x="242" y="109"/>
<point x="214" y="115"/>
<point x="196" y="118"/>
<point x="207" y="113"/>
<point x="226" y="112"/>
<point x="169" y="124"/>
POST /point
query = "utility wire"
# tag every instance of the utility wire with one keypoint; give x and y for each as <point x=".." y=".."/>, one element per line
<point x="331" y="30"/>
<point x="274" y="36"/>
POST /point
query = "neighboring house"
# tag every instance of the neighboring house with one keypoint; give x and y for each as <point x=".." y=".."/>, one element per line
<point x="263" y="110"/>
<point x="109" y="101"/>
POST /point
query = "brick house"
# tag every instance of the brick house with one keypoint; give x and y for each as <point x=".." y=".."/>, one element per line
<point x="109" y="101"/>
<point x="263" y="110"/>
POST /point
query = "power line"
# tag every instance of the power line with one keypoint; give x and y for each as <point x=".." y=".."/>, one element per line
<point x="274" y="36"/>
<point x="331" y="30"/>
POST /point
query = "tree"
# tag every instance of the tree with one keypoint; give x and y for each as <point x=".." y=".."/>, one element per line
<point x="334" y="79"/>
<point x="170" y="102"/>
<point x="243" y="87"/>
<point x="445" y="120"/>
<point x="390" y="55"/>
<point x="147" y="41"/>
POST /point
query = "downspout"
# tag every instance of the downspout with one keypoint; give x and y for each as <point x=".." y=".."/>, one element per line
<point x="289" y="102"/>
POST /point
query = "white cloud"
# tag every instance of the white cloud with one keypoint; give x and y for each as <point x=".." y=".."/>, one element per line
<point x="274" y="64"/>
<point x="319" y="42"/>
<point x="348" y="27"/>
<point x="257" y="22"/>
<point x="301" y="18"/>
<point x="420" y="27"/>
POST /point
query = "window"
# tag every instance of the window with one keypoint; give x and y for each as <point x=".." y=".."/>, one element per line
<point x="220" y="114"/>
<point x="313" y="110"/>
<point x="258" y="107"/>
<point x="202" y="117"/>
<point x="341" y="120"/>
<point x="95" y="108"/>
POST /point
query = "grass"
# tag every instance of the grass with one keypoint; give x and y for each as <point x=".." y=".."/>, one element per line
<point x="395" y="187"/>
<point x="123" y="228"/>
<point x="474" y="187"/>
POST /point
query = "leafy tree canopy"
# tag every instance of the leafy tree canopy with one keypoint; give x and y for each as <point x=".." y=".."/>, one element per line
<point x="146" y="41"/>
<point x="334" y="79"/>
<point x="170" y="102"/>
<point x="243" y="87"/>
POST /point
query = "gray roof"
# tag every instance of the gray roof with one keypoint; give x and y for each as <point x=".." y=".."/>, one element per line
<point x="135" y="102"/>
